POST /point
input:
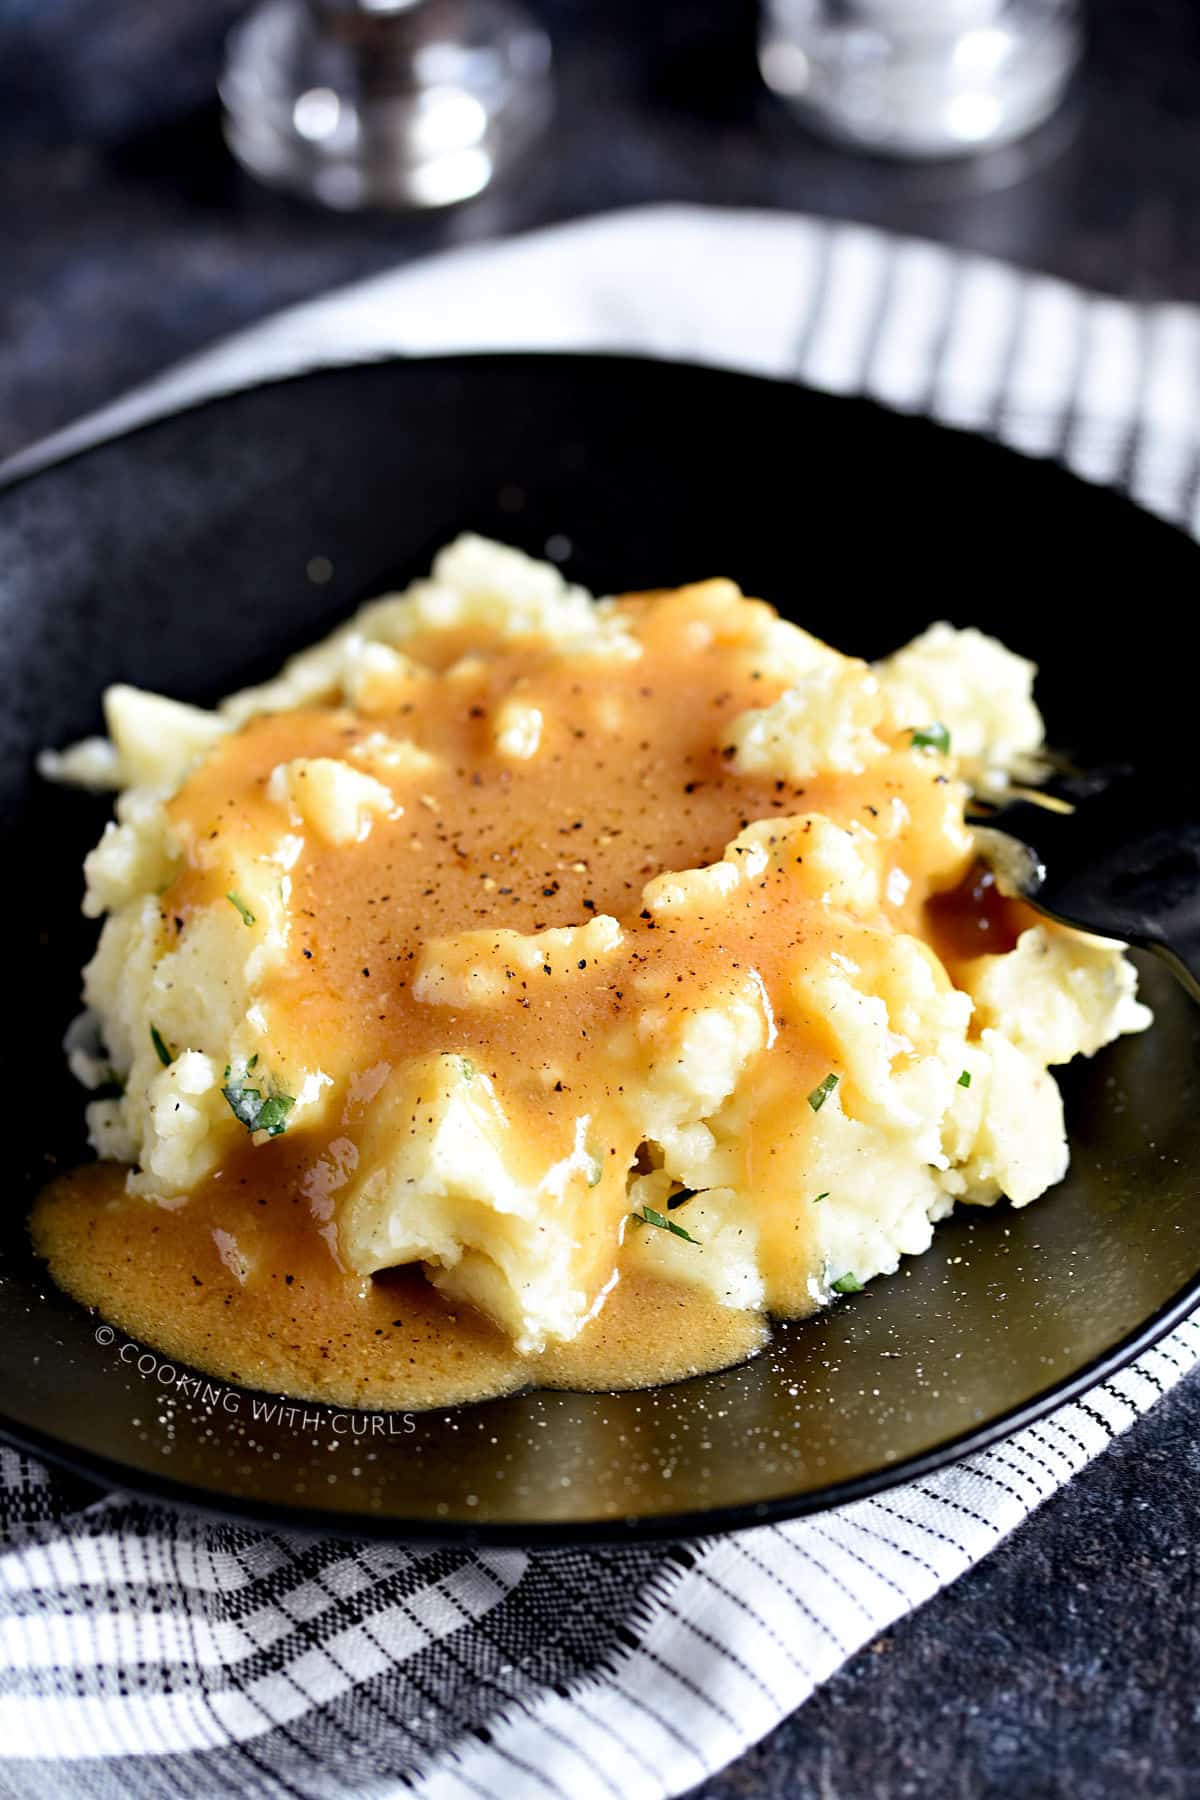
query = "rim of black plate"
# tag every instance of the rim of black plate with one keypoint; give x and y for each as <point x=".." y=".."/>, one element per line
<point x="26" y="466"/>
<point x="615" y="1528"/>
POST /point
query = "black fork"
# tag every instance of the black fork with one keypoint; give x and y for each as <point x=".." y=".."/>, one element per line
<point x="1123" y="863"/>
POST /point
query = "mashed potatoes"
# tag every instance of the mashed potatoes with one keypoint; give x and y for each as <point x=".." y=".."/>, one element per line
<point x="542" y="941"/>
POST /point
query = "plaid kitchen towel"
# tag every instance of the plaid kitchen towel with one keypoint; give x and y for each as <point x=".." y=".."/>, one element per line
<point x="147" y="1653"/>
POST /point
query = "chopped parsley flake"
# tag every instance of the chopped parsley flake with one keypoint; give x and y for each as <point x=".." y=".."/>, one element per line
<point x="272" y="1117"/>
<point x="932" y="737"/>
<point x="964" y="1079"/>
<point x="649" y="1217"/>
<point x="160" y="1048"/>
<point x="247" y="916"/>
<point x="847" y="1284"/>
<point x="245" y="1103"/>
<point x="467" y="1067"/>
<point x="821" y="1092"/>
<point x="819" y="1197"/>
<point x="254" y="1109"/>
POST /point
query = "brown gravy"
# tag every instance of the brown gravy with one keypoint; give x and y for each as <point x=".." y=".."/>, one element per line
<point x="315" y="1332"/>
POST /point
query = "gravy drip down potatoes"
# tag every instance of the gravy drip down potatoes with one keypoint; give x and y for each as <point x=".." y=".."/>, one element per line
<point x="529" y="988"/>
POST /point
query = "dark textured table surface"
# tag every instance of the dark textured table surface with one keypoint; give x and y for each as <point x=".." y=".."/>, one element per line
<point x="1068" y="1663"/>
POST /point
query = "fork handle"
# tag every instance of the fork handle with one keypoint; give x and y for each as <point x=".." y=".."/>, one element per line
<point x="1181" y="953"/>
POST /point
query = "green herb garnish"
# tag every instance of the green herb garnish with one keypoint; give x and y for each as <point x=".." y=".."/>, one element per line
<point x="648" y="1216"/>
<point x="595" y="1169"/>
<point x="247" y="916"/>
<point x="819" y="1197"/>
<point x="467" y="1067"/>
<point x="964" y="1079"/>
<point x="932" y="737"/>
<point x="160" y="1048"/>
<point x="273" y="1114"/>
<point x="821" y="1092"/>
<point x="847" y="1284"/>
<point x="258" y="1111"/>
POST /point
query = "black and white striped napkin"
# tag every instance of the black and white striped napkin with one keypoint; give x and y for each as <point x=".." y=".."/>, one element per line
<point x="145" y="1653"/>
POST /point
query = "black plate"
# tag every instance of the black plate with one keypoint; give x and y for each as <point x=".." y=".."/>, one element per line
<point x="179" y="557"/>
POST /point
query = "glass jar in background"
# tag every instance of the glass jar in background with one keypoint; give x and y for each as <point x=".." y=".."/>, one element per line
<point x="921" y="78"/>
<point x="388" y="103"/>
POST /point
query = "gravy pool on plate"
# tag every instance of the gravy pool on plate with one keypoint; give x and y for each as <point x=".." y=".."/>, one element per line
<point x="523" y="988"/>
